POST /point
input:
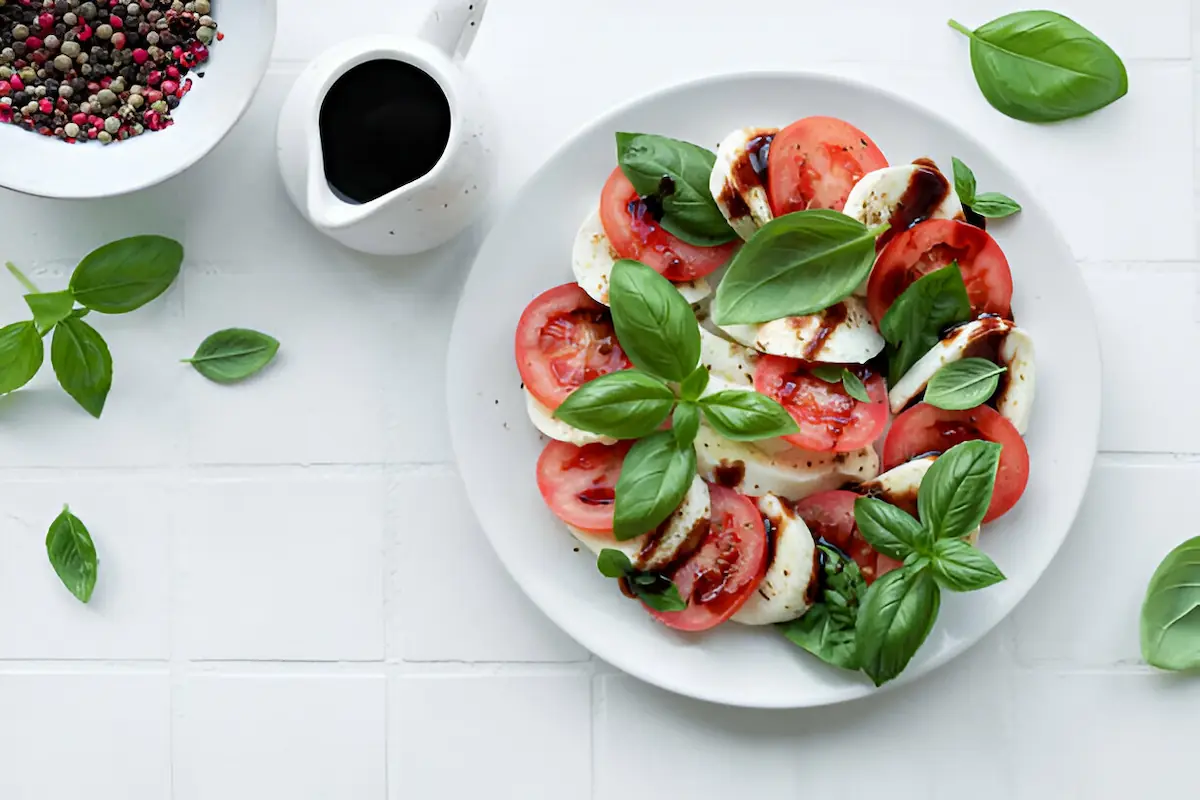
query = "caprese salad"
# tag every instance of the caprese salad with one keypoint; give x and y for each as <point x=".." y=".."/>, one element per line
<point x="785" y="387"/>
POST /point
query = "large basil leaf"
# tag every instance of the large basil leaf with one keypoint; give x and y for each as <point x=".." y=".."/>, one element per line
<point x="72" y="554"/>
<point x="627" y="404"/>
<point x="890" y="530"/>
<point x="961" y="567"/>
<point x="233" y="354"/>
<point x="126" y="274"/>
<point x="827" y="629"/>
<point x="677" y="173"/>
<point x="957" y="490"/>
<point x="655" y="325"/>
<point x="1039" y="66"/>
<point x="654" y="478"/>
<point x="797" y="264"/>
<point x="746" y="416"/>
<point x="21" y="355"/>
<point x="915" y="321"/>
<point x="1170" y="625"/>
<point x="50" y="308"/>
<point x="82" y="364"/>
<point x="894" y="621"/>
<point x="963" y="384"/>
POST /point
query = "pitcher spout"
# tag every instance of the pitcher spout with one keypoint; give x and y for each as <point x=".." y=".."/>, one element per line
<point x="452" y="25"/>
<point x="325" y="207"/>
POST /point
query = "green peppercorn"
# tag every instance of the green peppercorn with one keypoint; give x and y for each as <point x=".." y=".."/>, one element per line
<point x="104" y="31"/>
<point x="71" y="130"/>
<point x="105" y="137"/>
<point x="112" y="125"/>
<point x="106" y="97"/>
<point x="206" y="35"/>
<point x="70" y="49"/>
<point x="62" y="63"/>
<point x="203" y="6"/>
<point x="136" y="100"/>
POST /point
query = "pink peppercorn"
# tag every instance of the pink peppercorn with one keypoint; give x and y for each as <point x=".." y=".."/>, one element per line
<point x="170" y="87"/>
<point x="46" y="106"/>
<point x="6" y="114"/>
<point x="46" y="22"/>
<point x="106" y="82"/>
<point x="173" y="72"/>
<point x="116" y="21"/>
<point x="189" y="60"/>
<point x="200" y="51"/>
<point x="16" y="83"/>
<point x="153" y="96"/>
<point x="80" y="119"/>
<point x="118" y="41"/>
<point x="140" y="55"/>
<point x="154" y="78"/>
<point x="33" y="43"/>
<point x="85" y="32"/>
<point x="5" y="88"/>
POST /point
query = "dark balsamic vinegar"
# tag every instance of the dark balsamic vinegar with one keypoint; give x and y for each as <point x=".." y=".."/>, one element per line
<point x="384" y="124"/>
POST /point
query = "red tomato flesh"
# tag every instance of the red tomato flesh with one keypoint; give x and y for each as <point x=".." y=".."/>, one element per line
<point x="830" y="420"/>
<point x="815" y="162"/>
<point x="830" y="516"/>
<point x="564" y="340"/>
<point x="925" y="429"/>
<point x="579" y="483"/>
<point x="727" y="567"/>
<point x="634" y="233"/>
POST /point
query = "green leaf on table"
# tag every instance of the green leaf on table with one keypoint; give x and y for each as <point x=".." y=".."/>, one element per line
<point x="126" y="274"/>
<point x="82" y="363"/>
<point x="50" y="308"/>
<point x="1170" y="622"/>
<point x="21" y="354"/>
<point x="233" y="354"/>
<point x="72" y="554"/>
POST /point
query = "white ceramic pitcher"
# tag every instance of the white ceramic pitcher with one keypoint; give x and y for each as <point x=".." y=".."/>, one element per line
<point x="430" y="210"/>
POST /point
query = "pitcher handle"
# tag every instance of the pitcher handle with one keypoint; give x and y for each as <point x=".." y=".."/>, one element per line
<point x="452" y="24"/>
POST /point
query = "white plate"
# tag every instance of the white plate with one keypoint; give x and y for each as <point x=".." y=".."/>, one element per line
<point x="48" y="167"/>
<point x="529" y="250"/>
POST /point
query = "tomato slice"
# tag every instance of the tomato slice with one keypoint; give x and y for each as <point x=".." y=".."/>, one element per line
<point x="936" y="243"/>
<point x="924" y="429"/>
<point x="564" y="340"/>
<point x="830" y="516"/>
<point x="579" y="483"/>
<point x="634" y="233"/>
<point x="815" y="162"/>
<point x="727" y="567"/>
<point x="829" y="418"/>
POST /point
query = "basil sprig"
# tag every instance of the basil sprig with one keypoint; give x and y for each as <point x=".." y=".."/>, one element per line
<point x="851" y="382"/>
<point x="1170" y="623"/>
<point x="915" y="321"/>
<point x="72" y="554"/>
<point x="676" y="174"/>
<point x="653" y="589"/>
<point x="963" y="384"/>
<point x="827" y="630"/>
<point x="795" y="265"/>
<point x="1039" y="66"/>
<point x="992" y="205"/>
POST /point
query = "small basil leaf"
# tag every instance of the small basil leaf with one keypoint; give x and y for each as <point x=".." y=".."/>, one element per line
<point x="828" y="373"/>
<point x="82" y="364"/>
<point x="694" y="385"/>
<point x="21" y="354"/>
<point x="915" y="321"/>
<point x="645" y="578"/>
<point x="957" y="490"/>
<point x="50" y="308"/>
<point x="72" y="554"/>
<point x="233" y="354"/>
<point x="855" y="387"/>
<point x="962" y="568"/>
<point x="746" y="416"/>
<point x="827" y="629"/>
<point x="674" y="226"/>
<point x="1170" y="622"/>
<point x="655" y="325"/>
<point x="890" y="530"/>
<point x="613" y="563"/>
<point x="994" y="205"/>
<point x="894" y="621"/>
<point x="654" y="478"/>
<point x="795" y="265"/>
<point x="660" y="597"/>
<point x="126" y="274"/>
<point x="624" y="405"/>
<point x="686" y="423"/>
<point x="964" y="182"/>
<point x="1039" y="66"/>
<point x="963" y="384"/>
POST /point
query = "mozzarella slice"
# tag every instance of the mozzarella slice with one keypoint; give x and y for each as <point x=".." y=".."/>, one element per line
<point x="878" y="195"/>
<point x="785" y="591"/>
<point x="729" y="364"/>
<point x="676" y="538"/>
<point x="1013" y="348"/>
<point x="593" y="258"/>
<point x="790" y="473"/>
<point x="735" y="183"/>
<point x="544" y="420"/>
<point x="900" y="485"/>
<point x="841" y="334"/>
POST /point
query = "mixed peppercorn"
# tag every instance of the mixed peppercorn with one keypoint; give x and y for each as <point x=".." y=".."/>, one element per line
<point x="101" y="69"/>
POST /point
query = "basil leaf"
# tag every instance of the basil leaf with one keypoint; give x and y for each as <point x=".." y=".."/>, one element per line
<point x="686" y="423"/>
<point x="1170" y="623"/>
<point x="746" y="416"/>
<point x="827" y="629"/>
<point x="828" y="373"/>
<point x="82" y="364"/>
<point x="894" y="621"/>
<point x="797" y="264"/>
<point x="694" y="385"/>
<point x="890" y="530"/>
<point x="855" y="387"/>
<point x="656" y="475"/>
<point x="613" y="563"/>
<point x="915" y="321"/>
<point x="964" y="182"/>
<point x="994" y="205"/>
<point x="957" y="490"/>
<point x="963" y="384"/>
<point x="233" y="354"/>
<point x="126" y="274"/>
<point x="624" y="405"/>
<point x="1039" y="66"/>
<point x="50" y="308"/>
<point x="72" y="554"/>
<point x="662" y="595"/>
<point x="655" y="325"/>
<point x="677" y="173"/>
<point x="960" y="567"/>
<point x="21" y="355"/>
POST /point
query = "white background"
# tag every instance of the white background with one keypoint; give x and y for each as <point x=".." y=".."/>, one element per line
<point x="294" y="601"/>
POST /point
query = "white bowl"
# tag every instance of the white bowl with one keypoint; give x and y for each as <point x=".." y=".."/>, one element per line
<point x="529" y="250"/>
<point x="46" y="166"/>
